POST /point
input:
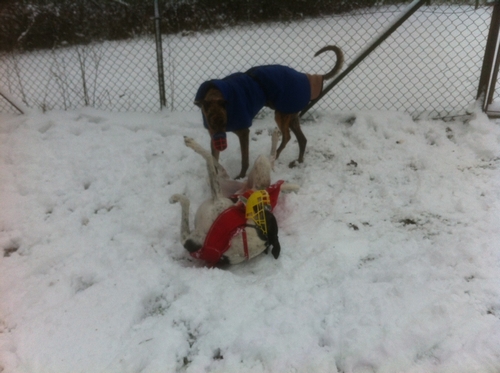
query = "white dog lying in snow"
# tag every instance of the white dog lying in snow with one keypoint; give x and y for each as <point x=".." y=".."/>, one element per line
<point x="236" y="222"/>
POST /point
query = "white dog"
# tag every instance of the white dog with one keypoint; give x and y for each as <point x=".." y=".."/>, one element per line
<point x="229" y="231"/>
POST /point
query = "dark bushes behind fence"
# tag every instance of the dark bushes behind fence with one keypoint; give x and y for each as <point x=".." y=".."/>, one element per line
<point x="37" y="24"/>
<point x="429" y="67"/>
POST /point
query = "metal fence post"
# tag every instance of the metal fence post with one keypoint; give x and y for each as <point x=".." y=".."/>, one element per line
<point x="159" y="56"/>
<point x="412" y="8"/>
<point x="487" y="81"/>
<point x="412" y="80"/>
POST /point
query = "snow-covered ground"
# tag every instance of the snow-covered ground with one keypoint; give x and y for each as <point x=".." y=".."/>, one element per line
<point x="390" y="255"/>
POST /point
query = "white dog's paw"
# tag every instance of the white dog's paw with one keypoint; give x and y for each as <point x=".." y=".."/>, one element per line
<point x="178" y="198"/>
<point x="289" y="187"/>
<point x="189" y="141"/>
<point x="174" y="198"/>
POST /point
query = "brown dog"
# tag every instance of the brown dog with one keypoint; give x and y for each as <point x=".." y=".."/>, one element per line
<point x="230" y="104"/>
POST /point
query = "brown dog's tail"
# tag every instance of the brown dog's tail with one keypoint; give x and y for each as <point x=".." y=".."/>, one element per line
<point x="338" y="64"/>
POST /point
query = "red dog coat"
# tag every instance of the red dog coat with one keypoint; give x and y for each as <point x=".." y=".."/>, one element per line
<point x="228" y="224"/>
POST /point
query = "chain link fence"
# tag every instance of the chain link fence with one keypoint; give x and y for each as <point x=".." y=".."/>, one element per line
<point x="430" y="66"/>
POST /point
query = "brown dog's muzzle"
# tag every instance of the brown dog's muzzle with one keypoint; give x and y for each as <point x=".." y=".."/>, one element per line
<point x="219" y="141"/>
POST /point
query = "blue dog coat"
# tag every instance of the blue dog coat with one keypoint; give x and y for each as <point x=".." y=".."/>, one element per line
<point x="279" y="87"/>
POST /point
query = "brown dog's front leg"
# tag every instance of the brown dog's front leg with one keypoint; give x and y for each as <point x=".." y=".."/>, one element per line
<point x="244" y="137"/>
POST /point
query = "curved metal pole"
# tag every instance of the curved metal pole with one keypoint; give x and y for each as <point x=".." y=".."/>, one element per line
<point x="412" y="8"/>
<point x="489" y="72"/>
<point x="11" y="100"/>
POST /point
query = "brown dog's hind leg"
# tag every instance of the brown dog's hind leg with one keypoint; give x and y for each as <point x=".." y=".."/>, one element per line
<point x="287" y="122"/>
<point x="283" y="123"/>
<point x="301" y="139"/>
<point x="244" y="137"/>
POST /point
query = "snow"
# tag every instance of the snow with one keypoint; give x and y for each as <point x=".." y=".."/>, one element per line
<point x="390" y="256"/>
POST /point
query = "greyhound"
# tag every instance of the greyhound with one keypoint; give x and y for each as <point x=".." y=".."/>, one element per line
<point x="223" y="233"/>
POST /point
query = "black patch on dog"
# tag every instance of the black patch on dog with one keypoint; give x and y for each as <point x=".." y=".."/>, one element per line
<point x="272" y="232"/>
<point x="223" y="261"/>
<point x="271" y="239"/>
<point x="192" y="246"/>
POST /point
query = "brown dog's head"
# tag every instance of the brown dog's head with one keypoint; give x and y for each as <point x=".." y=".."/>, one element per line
<point x="213" y="107"/>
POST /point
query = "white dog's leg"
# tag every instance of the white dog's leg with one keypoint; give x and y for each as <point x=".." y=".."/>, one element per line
<point x="211" y="169"/>
<point x="208" y="210"/>
<point x="184" y="201"/>
<point x="191" y="143"/>
<point x="259" y="176"/>
<point x="288" y="187"/>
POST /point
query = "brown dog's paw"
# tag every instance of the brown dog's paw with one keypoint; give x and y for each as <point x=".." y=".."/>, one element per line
<point x="295" y="163"/>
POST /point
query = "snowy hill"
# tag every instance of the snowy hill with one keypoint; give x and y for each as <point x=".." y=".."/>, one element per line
<point x="390" y="250"/>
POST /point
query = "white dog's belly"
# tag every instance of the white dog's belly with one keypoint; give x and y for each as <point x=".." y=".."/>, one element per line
<point x="207" y="213"/>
